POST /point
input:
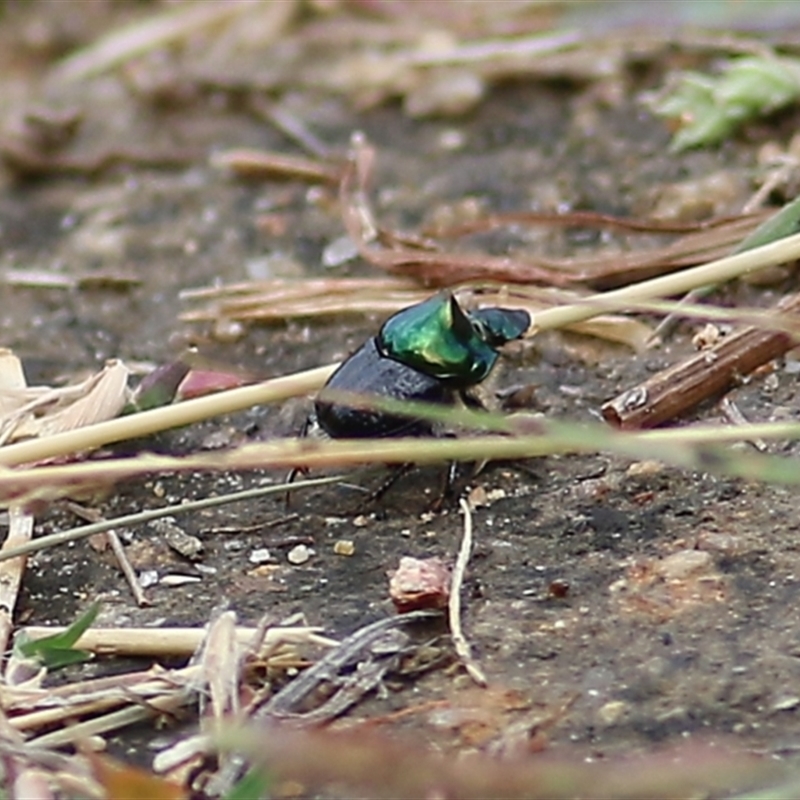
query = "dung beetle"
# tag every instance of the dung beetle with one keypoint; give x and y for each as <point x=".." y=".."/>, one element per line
<point x="431" y="352"/>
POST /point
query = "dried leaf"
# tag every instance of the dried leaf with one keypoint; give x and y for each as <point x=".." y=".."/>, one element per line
<point x="123" y="781"/>
<point x="220" y="660"/>
<point x="14" y="391"/>
<point x="101" y="397"/>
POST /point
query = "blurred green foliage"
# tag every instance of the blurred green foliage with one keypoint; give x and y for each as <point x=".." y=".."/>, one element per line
<point x="711" y="108"/>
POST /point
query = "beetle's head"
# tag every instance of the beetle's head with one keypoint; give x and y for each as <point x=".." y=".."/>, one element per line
<point x="496" y="326"/>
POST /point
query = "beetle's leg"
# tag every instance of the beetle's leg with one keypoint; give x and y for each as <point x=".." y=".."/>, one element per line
<point x="449" y="479"/>
<point x="398" y="471"/>
<point x="471" y="400"/>
<point x="291" y="477"/>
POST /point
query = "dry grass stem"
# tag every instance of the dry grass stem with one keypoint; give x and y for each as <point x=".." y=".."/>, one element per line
<point x="14" y="390"/>
<point x="67" y="713"/>
<point x="20" y="530"/>
<point x="159" y="419"/>
<point x="220" y="660"/>
<point x="176" y="642"/>
<point x="52" y="481"/>
<point x="589" y="219"/>
<point x="168" y="705"/>
<point x="433" y="267"/>
<point x="146" y="683"/>
<point x="724" y="269"/>
<point x="460" y="642"/>
<point x="279" y="299"/>
<point x="146" y="516"/>
<point x="734" y="415"/>
<point x="261" y="164"/>
<point x="136" y="39"/>
<point x="108" y="703"/>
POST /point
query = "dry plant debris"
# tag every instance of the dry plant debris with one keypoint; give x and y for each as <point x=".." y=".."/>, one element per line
<point x="41" y="411"/>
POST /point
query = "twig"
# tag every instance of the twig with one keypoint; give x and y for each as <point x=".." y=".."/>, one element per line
<point x="288" y="699"/>
<point x="589" y="219"/>
<point x="681" y="387"/>
<point x="734" y="415"/>
<point x="91" y="515"/>
<point x="151" y="681"/>
<point x="20" y="530"/>
<point x="167" y="704"/>
<point x="289" y="125"/>
<point x="75" y="534"/>
<point x="462" y="647"/>
<point x="262" y="164"/>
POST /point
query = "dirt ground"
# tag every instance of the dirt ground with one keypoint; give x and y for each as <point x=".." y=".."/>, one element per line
<point x="622" y="604"/>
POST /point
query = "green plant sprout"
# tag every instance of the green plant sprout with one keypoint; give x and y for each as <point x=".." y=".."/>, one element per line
<point x="710" y="108"/>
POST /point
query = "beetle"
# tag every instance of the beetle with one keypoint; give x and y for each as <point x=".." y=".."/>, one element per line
<point x="431" y="352"/>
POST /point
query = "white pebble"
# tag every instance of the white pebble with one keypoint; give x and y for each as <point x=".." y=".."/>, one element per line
<point x="299" y="554"/>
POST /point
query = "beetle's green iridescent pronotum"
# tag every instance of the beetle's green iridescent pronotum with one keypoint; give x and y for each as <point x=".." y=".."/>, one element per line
<point x="437" y="338"/>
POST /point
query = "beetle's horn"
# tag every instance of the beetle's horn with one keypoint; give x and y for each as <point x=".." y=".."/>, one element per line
<point x="460" y="323"/>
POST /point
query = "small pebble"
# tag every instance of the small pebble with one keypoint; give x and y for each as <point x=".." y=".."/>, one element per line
<point x="786" y="702"/>
<point x="299" y="554"/>
<point x="339" y="251"/>
<point x="419" y="583"/>
<point x="706" y="337"/>
<point x="147" y="578"/>
<point x="452" y="139"/>
<point x="361" y="521"/>
<point x="178" y="580"/>
<point x="228" y="331"/>
<point x="344" y="547"/>
<point x="645" y="468"/>
<point x="181" y="542"/>
<point x="715" y="542"/>
<point x="683" y="563"/>
<point x="792" y="367"/>
<point x="259" y="556"/>
<point x="477" y="497"/>
<point x="611" y="712"/>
